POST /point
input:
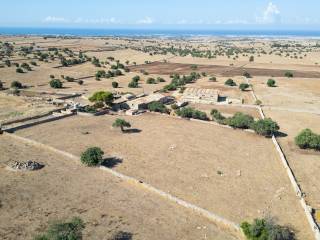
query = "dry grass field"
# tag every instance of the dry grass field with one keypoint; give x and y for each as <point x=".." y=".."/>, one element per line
<point x="107" y="205"/>
<point x="187" y="163"/>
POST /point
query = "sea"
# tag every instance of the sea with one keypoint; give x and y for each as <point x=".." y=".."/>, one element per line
<point x="164" y="33"/>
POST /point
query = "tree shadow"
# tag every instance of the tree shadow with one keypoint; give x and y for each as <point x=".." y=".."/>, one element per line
<point x="132" y="130"/>
<point x="280" y="134"/>
<point x="111" y="162"/>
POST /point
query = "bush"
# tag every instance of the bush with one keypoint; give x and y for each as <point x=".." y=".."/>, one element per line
<point x="80" y="82"/>
<point x="92" y="156"/>
<point x="157" y="107"/>
<point x="19" y="70"/>
<point x="102" y="96"/>
<point x="121" y="236"/>
<point x="115" y="84"/>
<point x="133" y="84"/>
<point x="51" y="76"/>
<point x="230" y="82"/>
<point x="188" y="112"/>
<point x="71" y="230"/>
<point x="288" y="74"/>
<point x="265" y="127"/>
<point x="160" y="79"/>
<point x="56" y="83"/>
<point x="307" y="139"/>
<point x="151" y="81"/>
<point x="262" y="229"/>
<point x="243" y="86"/>
<point x="16" y="84"/>
<point x="251" y="59"/>
<point x="213" y="79"/>
<point x="240" y="120"/>
<point x="136" y="78"/>
<point x="217" y="116"/>
<point x="258" y="102"/>
<point x="1" y="85"/>
<point x="271" y="83"/>
<point x="247" y="75"/>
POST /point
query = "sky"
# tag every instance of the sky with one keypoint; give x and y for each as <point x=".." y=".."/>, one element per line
<point x="166" y="14"/>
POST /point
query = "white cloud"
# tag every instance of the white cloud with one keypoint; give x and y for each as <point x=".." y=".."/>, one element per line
<point x="146" y="20"/>
<point x="182" y="21"/>
<point x="52" y="19"/>
<point x="271" y="14"/>
<point x="95" y="20"/>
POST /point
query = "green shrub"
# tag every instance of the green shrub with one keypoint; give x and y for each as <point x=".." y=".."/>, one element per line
<point x="136" y="78"/>
<point x="247" y="75"/>
<point x="157" y="107"/>
<point x="133" y="84"/>
<point x="240" y="120"/>
<point x="271" y="83"/>
<point x="102" y="96"/>
<point x="288" y="74"/>
<point x="307" y="139"/>
<point x="151" y="81"/>
<point x="19" y="70"/>
<point x="122" y="236"/>
<point x="243" y="86"/>
<point x="16" y="84"/>
<point x="265" y="127"/>
<point x="92" y="156"/>
<point x="262" y="229"/>
<point x="230" y="82"/>
<point x="217" y="116"/>
<point x="160" y="79"/>
<point x="188" y="112"/>
<point x="70" y="230"/>
<point x="213" y="79"/>
<point x="115" y="84"/>
<point x="56" y="83"/>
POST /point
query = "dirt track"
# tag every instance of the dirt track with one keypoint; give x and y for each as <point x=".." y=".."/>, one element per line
<point x="226" y="71"/>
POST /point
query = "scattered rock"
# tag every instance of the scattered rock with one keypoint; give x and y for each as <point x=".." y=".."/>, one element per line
<point x="26" y="166"/>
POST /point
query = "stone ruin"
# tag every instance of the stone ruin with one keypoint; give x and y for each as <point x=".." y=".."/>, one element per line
<point x="26" y="166"/>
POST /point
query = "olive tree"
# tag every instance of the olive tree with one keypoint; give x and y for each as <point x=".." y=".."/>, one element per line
<point x="121" y="123"/>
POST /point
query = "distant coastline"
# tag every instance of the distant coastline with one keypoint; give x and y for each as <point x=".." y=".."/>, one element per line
<point x="78" y="32"/>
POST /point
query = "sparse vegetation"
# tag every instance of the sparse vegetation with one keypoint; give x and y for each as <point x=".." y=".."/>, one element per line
<point x="69" y="230"/>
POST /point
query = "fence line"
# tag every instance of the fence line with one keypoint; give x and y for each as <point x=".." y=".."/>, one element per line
<point x="307" y="209"/>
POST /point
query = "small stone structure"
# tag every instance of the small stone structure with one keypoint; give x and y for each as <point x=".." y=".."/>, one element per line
<point x="200" y="95"/>
<point x="26" y="166"/>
